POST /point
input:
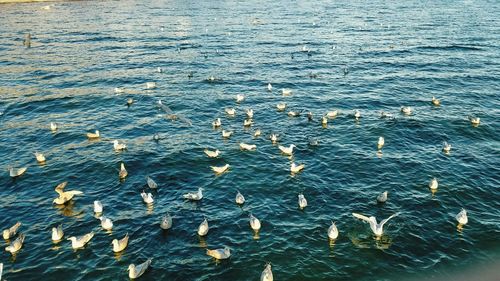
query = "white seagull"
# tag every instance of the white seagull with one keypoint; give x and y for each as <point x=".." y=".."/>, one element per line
<point x="150" y="85"/>
<point x="216" y="123"/>
<point x="147" y="197"/>
<point x="240" y="98"/>
<point x="120" y="245"/>
<point x="281" y="106"/>
<point x="195" y="196"/>
<point x="151" y="183"/>
<point x="11" y="231"/>
<point x="377" y="228"/>
<point x="269" y="87"/>
<point x="296" y="168"/>
<point x="474" y="120"/>
<point x="332" y="114"/>
<point x="220" y="170"/>
<point x="406" y="110"/>
<point x="203" y="228"/>
<point x="254" y="223"/>
<point x="57" y="233"/>
<point x="433" y="185"/>
<point x="249" y="113"/>
<point x="226" y="134"/>
<point x="95" y="135"/>
<point x="333" y="232"/>
<point x="287" y="150"/>
<point x="119" y="146"/>
<point x="382" y="197"/>
<point x="302" y="201"/>
<point x="80" y="241"/>
<point x="53" y="126"/>
<point x="462" y="217"/>
<point x="380" y="143"/>
<point x="240" y="199"/>
<point x="64" y="196"/>
<point x="230" y="111"/>
<point x="212" y="153"/>
<point x="135" y="271"/>
<point x="435" y="101"/>
<point x="357" y="114"/>
<point x="39" y="157"/>
<point x="16" y="245"/>
<point x="446" y="147"/>
<point x="274" y="138"/>
<point x="244" y="146"/>
<point x="267" y="274"/>
<point x="13" y="172"/>
<point x="166" y="222"/>
<point x="286" y="92"/>
<point x="247" y="122"/>
<point x="98" y="207"/>
<point x="106" y="223"/>
<point x="220" y="254"/>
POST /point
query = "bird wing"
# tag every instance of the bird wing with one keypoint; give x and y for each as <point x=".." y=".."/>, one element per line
<point x="60" y="188"/>
<point x="86" y="238"/>
<point x="359" y="216"/>
<point x="72" y="193"/>
<point x="141" y="268"/>
<point x="387" y="219"/>
<point x="124" y="240"/>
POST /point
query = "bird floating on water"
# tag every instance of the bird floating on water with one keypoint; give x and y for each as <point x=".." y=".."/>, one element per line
<point x="324" y="121"/>
<point x="120" y="245"/>
<point x="249" y="113"/>
<point x="269" y="87"/>
<point x="247" y="122"/>
<point x="220" y="254"/>
<point x="57" y="233"/>
<point x="226" y="134"/>
<point x="292" y="113"/>
<point x="357" y="114"/>
<point x="95" y="135"/>
<point x="382" y="197"/>
<point x="254" y="223"/>
<point x="406" y="110"/>
<point x="287" y="150"/>
<point x="78" y="242"/>
<point x="123" y="172"/>
<point x="313" y="142"/>
<point x="147" y="197"/>
<point x="16" y="172"/>
<point x="119" y="90"/>
<point x="230" y="111"/>
<point x="435" y="101"/>
<point x="296" y="168"/>
<point x="446" y="147"/>
<point x="257" y="133"/>
<point x="433" y="184"/>
<point x="16" y="245"/>
<point x="53" y="126"/>
<point x="159" y="70"/>
<point x="130" y="101"/>
<point x="212" y="153"/>
<point x="377" y="228"/>
<point x="462" y="217"/>
<point x="380" y="143"/>
<point x="150" y="85"/>
<point x="332" y="114"/>
<point x="166" y="222"/>
<point x="64" y="196"/>
<point x="384" y="114"/>
<point x="106" y="223"/>
<point x="274" y="138"/>
<point x="333" y="232"/>
<point x="151" y="183"/>
<point x="98" y="207"/>
<point x="244" y="146"/>
<point x="286" y="92"/>
<point x="267" y="273"/>
<point x="39" y="157"/>
<point x="302" y="201"/>
<point x="240" y="199"/>
<point x="119" y="146"/>
<point x="11" y="231"/>
<point x="135" y="271"/>
<point x="474" y="120"/>
<point x="216" y="123"/>
<point x="240" y="98"/>
<point x="309" y="116"/>
<point x="195" y="196"/>
<point x="203" y="228"/>
<point x="281" y="106"/>
<point x="221" y="169"/>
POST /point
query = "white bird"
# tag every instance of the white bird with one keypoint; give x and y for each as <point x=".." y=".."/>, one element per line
<point x="257" y="133"/>
<point x="239" y="98"/>
<point x="230" y="111"/>
<point x="435" y="101"/>
<point x="119" y="146"/>
<point x="16" y="172"/>
<point x="380" y="143"/>
<point x="377" y="228"/>
<point x="80" y="241"/>
<point x="226" y="134"/>
<point x="474" y="120"/>
<point x="119" y="90"/>
<point x="247" y="122"/>
<point x="240" y="199"/>
<point x="244" y="146"/>
<point x="16" y="245"/>
<point x="267" y="274"/>
<point x="203" y="228"/>
<point x="95" y="135"/>
<point x="406" y="110"/>
<point x="195" y="196"/>
<point x="446" y="147"/>
<point x="357" y="114"/>
<point x="324" y="121"/>
<point x="333" y="232"/>
<point x="39" y="157"/>
<point x="57" y="233"/>
<point x="135" y="271"/>
<point x="64" y="196"/>
<point x="332" y="114"/>
<point x="220" y="170"/>
<point x="220" y="254"/>
<point x="159" y="70"/>
<point x="130" y="101"/>
<point x="281" y="106"/>
<point x="269" y="87"/>
<point x="11" y="231"/>
<point x="433" y="184"/>
<point x="120" y="245"/>
<point x="151" y="183"/>
<point x="382" y="197"/>
<point x="166" y="222"/>
<point x="286" y="92"/>
<point x="292" y="113"/>
<point x="462" y="217"/>
<point x="249" y="113"/>
<point x="296" y="168"/>
<point x="53" y="126"/>
<point x="98" y="207"/>
<point x="150" y="85"/>
<point x="384" y="114"/>
<point x="147" y="197"/>
<point x="106" y="223"/>
<point x="302" y="201"/>
<point x="287" y="150"/>
<point x="123" y="172"/>
<point x="216" y="123"/>
<point x="254" y="223"/>
<point x="212" y="153"/>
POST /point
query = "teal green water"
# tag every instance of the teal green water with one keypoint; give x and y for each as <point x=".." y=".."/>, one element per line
<point x="394" y="54"/>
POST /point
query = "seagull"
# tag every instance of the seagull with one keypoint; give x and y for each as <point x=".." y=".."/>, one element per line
<point x="98" y="207"/>
<point x="220" y="170"/>
<point x="57" y="233"/>
<point x="203" y="228"/>
<point x="247" y="122"/>
<point x="135" y="271"/>
<point x="269" y="87"/>
<point x="309" y="116"/>
<point x="239" y="98"/>
<point x="433" y="184"/>
<point x="296" y="168"/>
<point x="11" y="232"/>
<point x="254" y="223"/>
<point x="384" y="114"/>
<point x="249" y="113"/>
<point x="130" y="101"/>
<point x="281" y="106"/>
<point x="39" y="157"/>
<point x="95" y="135"/>
<point x="292" y="113"/>
<point x="16" y="245"/>
<point x="357" y="114"/>
<point x="80" y="241"/>
<point x="377" y="228"/>
<point x="302" y="201"/>
<point x="240" y="200"/>
<point x="474" y="120"/>
<point x="119" y="146"/>
<point x="332" y="114"/>
<point x="53" y="126"/>
<point x="257" y="133"/>
<point x="166" y="222"/>
<point x="324" y="121"/>
<point x="195" y="196"/>
<point x="230" y="111"/>
<point x="119" y="90"/>
<point x="216" y="123"/>
<point x="333" y="232"/>
<point x="151" y="183"/>
<point x="406" y="110"/>
<point x="212" y="153"/>
<point x="274" y="138"/>
<point x="16" y="172"/>
<point x="150" y="85"/>
<point x="286" y="92"/>
<point x="446" y="147"/>
<point x="382" y="197"/>
<point x="64" y="196"/>
<point x="380" y="143"/>
<point x="435" y="101"/>
<point x="123" y="172"/>
<point x="147" y="197"/>
<point x="244" y="146"/>
<point x="226" y="134"/>
<point x="120" y="245"/>
<point x="313" y="142"/>
<point x="462" y="217"/>
<point x="267" y="274"/>
<point x="159" y="70"/>
<point x="220" y="254"/>
<point x="106" y="223"/>
<point x="286" y="150"/>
